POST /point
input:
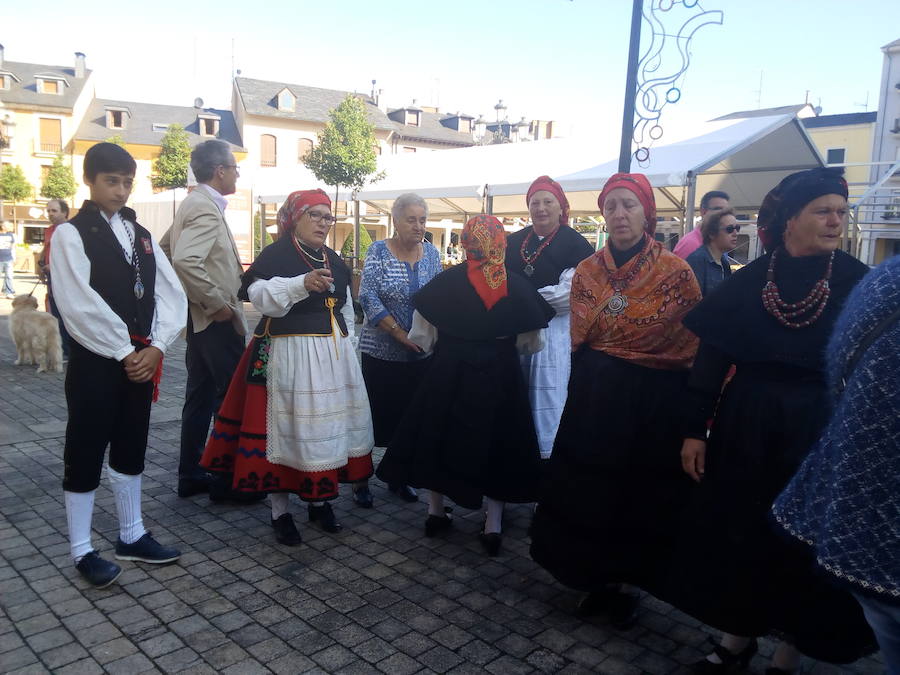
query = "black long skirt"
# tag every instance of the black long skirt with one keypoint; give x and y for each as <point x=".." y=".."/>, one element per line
<point x="391" y="386"/>
<point x="614" y="488"/>
<point x="468" y="431"/>
<point x="735" y="571"/>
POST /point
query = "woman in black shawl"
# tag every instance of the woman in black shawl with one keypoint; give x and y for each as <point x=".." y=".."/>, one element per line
<point x="468" y="433"/>
<point x="772" y="319"/>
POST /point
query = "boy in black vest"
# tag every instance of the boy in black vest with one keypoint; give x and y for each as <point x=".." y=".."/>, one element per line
<point x="122" y="305"/>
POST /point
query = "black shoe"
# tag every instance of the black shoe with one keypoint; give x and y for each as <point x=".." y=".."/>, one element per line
<point x="623" y="612"/>
<point x="362" y="496"/>
<point x="491" y="543"/>
<point x="435" y="524"/>
<point x="286" y="532"/>
<point x="730" y="660"/>
<point x="148" y="550"/>
<point x="597" y="602"/>
<point x="98" y="572"/>
<point x="188" y="487"/>
<point x="325" y="517"/>
<point x="405" y="492"/>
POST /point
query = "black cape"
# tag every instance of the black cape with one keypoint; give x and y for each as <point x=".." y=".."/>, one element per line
<point x="469" y="432"/>
<point x="733" y="320"/>
<point x="567" y="249"/>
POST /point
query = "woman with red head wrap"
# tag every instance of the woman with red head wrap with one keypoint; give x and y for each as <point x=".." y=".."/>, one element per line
<point x="613" y="486"/>
<point x="468" y="433"/>
<point x="296" y="417"/>
<point x="772" y="320"/>
<point x="545" y="254"/>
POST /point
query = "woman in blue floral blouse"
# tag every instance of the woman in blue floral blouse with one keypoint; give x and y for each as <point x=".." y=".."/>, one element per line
<point x="392" y="365"/>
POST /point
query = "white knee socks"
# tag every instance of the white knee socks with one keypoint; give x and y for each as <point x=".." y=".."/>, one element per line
<point x="127" y="491"/>
<point x="79" y="511"/>
<point x="493" y="521"/>
<point x="279" y="502"/>
<point x="435" y="504"/>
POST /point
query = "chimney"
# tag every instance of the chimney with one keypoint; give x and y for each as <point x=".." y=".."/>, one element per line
<point x="79" y="65"/>
<point x="1" y="56"/>
<point x="382" y="101"/>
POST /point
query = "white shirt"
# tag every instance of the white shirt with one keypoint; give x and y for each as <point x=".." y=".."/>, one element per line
<point x="217" y="198"/>
<point x="88" y="318"/>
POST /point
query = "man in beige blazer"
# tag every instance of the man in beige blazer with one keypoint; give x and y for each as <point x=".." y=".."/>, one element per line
<point x="206" y="260"/>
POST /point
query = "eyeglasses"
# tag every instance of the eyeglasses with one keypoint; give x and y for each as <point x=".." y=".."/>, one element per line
<point x="231" y="166"/>
<point x="318" y="216"/>
<point x="732" y="228"/>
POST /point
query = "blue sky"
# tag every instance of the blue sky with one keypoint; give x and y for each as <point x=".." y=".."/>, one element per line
<point x="547" y="59"/>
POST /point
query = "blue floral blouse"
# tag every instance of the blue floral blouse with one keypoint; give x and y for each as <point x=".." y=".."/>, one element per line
<point x="385" y="289"/>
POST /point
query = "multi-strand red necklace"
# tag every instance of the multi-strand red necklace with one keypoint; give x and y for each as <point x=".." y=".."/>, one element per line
<point x="788" y="313"/>
<point x="530" y="259"/>
<point x="618" y="302"/>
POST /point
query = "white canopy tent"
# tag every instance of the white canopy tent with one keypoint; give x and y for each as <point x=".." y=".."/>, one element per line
<point x="744" y="157"/>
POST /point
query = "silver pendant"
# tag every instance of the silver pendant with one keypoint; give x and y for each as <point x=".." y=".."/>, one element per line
<point x="138" y="289"/>
<point x="616" y="304"/>
<point x="529" y="270"/>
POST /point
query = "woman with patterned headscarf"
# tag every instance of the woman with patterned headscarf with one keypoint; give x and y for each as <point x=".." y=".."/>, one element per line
<point x="772" y="319"/>
<point x="613" y="486"/>
<point x="296" y="417"/>
<point x="468" y="433"/>
<point x="545" y="254"/>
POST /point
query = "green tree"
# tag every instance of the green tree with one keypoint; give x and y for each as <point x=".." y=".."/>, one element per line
<point x="345" y="153"/>
<point x="14" y="187"/>
<point x="364" y="242"/>
<point x="116" y="139"/>
<point x="261" y="238"/>
<point x="170" y="168"/>
<point x="60" y="181"/>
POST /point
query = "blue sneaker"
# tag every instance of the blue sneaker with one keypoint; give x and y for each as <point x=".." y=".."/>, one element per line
<point x="98" y="572"/>
<point x="146" y="549"/>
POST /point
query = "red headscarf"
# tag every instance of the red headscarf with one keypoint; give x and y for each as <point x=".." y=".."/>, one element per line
<point x="296" y="204"/>
<point x="640" y="186"/>
<point x="484" y="241"/>
<point x="554" y="188"/>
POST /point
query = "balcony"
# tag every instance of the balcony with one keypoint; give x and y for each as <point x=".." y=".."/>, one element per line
<point x="47" y="149"/>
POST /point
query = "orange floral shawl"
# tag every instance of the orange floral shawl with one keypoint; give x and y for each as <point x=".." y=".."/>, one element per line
<point x="484" y="241"/>
<point x="659" y="289"/>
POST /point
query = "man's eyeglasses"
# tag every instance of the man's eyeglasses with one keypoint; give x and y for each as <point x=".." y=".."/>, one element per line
<point x="732" y="228"/>
<point x="318" y="216"/>
<point x="231" y="166"/>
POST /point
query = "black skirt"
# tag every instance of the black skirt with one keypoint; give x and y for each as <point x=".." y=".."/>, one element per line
<point x="468" y="431"/>
<point x="614" y="488"/>
<point x="734" y="571"/>
<point x="391" y="386"/>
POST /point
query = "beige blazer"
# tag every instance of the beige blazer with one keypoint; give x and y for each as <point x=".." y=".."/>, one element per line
<point x="206" y="260"/>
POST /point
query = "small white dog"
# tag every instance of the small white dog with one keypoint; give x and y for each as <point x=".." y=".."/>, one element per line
<point x="36" y="335"/>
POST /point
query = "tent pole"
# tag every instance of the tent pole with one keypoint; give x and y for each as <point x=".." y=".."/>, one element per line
<point x="630" y="88"/>
<point x="688" y="224"/>
<point x="356" y="233"/>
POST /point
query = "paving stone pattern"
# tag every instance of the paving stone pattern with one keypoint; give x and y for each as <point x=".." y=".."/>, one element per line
<point x="377" y="597"/>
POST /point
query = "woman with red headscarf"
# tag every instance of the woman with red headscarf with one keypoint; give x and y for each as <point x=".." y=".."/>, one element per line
<point x="296" y="417"/>
<point x="613" y="486"/>
<point x="468" y="433"/>
<point x="545" y="254"/>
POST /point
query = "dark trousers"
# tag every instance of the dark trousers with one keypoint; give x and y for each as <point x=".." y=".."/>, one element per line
<point x="211" y="357"/>
<point x="105" y="408"/>
<point x="63" y="333"/>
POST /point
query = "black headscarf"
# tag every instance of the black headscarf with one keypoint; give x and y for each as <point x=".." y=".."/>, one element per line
<point x="789" y="197"/>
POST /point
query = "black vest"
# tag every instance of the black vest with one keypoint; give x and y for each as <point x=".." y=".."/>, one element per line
<point x="112" y="276"/>
<point x="308" y="317"/>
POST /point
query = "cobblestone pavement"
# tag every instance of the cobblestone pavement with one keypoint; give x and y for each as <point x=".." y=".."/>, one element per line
<point x="377" y="597"/>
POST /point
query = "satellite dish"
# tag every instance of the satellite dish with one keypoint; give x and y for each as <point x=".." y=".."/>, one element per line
<point x="198" y="102"/>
